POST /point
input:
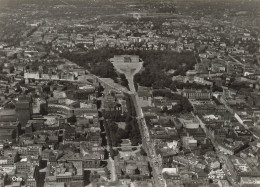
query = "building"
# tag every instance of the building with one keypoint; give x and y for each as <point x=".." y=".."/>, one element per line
<point x="60" y="109"/>
<point x="197" y="94"/>
<point x="237" y="68"/>
<point x="189" y="142"/>
<point x="189" y="122"/>
<point x="33" y="177"/>
<point x="8" y="115"/>
<point x="92" y="155"/>
<point x="11" y="155"/>
<point x="7" y="134"/>
<point x="54" y="184"/>
<point x="24" y="110"/>
<point x="16" y="126"/>
<point x="125" y="59"/>
<point x="250" y="181"/>
<point x="144" y="96"/>
<point x="34" y="150"/>
<point x="71" y="174"/>
<point x="133" y="165"/>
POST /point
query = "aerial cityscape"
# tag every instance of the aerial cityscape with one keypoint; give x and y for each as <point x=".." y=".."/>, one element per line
<point x="129" y="93"/>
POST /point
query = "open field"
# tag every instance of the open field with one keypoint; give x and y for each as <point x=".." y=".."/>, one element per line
<point x="129" y="69"/>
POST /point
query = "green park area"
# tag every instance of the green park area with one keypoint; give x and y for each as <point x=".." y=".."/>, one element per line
<point x="155" y="70"/>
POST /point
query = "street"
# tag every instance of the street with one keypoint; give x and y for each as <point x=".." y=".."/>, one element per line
<point x="147" y="144"/>
<point x="220" y="155"/>
<point x="146" y="139"/>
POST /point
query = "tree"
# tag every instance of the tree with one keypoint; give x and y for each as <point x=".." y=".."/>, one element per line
<point x="11" y="69"/>
<point x="121" y="134"/>
<point x="178" y="108"/>
<point x="142" y="152"/>
<point x="137" y="171"/>
<point x="108" y="173"/>
<point x="46" y="89"/>
<point x="72" y="119"/>
<point x="18" y="88"/>
<point x="106" y="155"/>
<point x="98" y="104"/>
<point x="43" y="109"/>
<point x="6" y="89"/>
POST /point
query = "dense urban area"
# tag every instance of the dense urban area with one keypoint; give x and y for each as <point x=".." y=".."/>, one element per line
<point x="121" y="93"/>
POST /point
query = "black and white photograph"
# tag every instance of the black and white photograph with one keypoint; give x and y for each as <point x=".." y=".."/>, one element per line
<point x="129" y="93"/>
